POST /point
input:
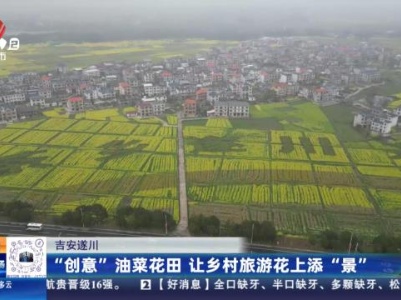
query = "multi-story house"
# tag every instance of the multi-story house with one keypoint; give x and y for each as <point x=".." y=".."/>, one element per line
<point x="247" y="92"/>
<point x="16" y="78"/>
<point x="134" y="82"/>
<point x="158" y="108"/>
<point x="237" y="88"/>
<point x="150" y="108"/>
<point x="91" y="72"/>
<point x="265" y="77"/>
<point x="167" y="76"/>
<point x="144" y="109"/>
<point x="212" y="97"/>
<point x="14" y="98"/>
<point x="162" y="98"/>
<point x="379" y="122"/>
<point x="8" y="113"/>
<point x="380" y="126"/>
<point x="303" y="76"/>
<point x="45" y="93"/>
<point x="125" y="89"/>
<point x="91" y="94"/>
<point x="151" y="90"/>
<point x="367" y="75"/>
<point x="325" y="96"/>
<point x="46" y="82"/>
<point x="128" y="74"/>
<point x="285" y="89"/>
<point x="36" y="100"/>
<point x="58" y="85"/>
<point x="75" y="105"/>
<point x="201" y="94"/>
<point x="183" y="89"/>
<point x="232" y="109"/>
<point x="105" y="93"/>
<point x="190" y="108"/>
<point x="305" y="93"/>
<point x="217" y="77"/>
<point x="148" y="77"/>
<point x="370" y="75"/>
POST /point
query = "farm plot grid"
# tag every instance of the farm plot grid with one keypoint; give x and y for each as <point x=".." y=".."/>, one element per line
<point x="58" y="164"/>
<point x="298" y="179"/>
<point x="299" y="174"/>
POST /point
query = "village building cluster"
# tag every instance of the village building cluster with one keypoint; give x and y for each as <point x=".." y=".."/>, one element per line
<point x="221" y="82"/>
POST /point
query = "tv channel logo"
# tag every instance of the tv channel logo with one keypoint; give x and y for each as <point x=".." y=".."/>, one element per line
<point x="13" y="43"/>
<point x="2" y="29"/>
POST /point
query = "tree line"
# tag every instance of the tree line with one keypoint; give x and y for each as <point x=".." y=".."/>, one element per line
<point x="345" y="241"/>
<point x="130" y="218"/>
<point x="258" y="232"/>
<point x="262" y="232"/>
<point x="126" y="217"/>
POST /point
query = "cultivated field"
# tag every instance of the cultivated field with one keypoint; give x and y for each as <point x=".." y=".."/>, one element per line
<point x="296" y="166"/>
<point x="45" y="57"/>
<point x="58" y="163"/>
<point x="288" y="164"/>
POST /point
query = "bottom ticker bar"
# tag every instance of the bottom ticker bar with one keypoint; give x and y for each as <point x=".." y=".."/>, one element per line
<point x="23" y="289"/>
<point x="215" y="288"/>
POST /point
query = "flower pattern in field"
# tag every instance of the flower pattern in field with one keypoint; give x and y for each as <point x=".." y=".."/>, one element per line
<point x="302" y="178"/>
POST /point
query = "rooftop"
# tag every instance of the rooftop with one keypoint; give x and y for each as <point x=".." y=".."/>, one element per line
<point x="233" y="103"/>
<point x="189" y="101"/>
<point x="124" y="84"/>
<point x="201" y="91"/>
<point x="144" y="105"/>
<point x="75" y="99"/>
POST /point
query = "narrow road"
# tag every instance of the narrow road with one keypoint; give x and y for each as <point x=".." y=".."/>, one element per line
<point x="19" y="229"/>
<point x="362" y="89"/>
<point x="166" y="124"/>
<point x="182" y="228"/>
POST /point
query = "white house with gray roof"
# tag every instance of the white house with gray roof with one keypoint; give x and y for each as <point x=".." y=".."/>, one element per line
<point x="232" y="109"/>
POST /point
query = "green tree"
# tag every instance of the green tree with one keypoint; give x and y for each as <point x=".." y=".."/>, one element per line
<point x="121" y="216"/>
<point x="329" y="240"/>
<point x="19" y="211"/>
<point x="252" y="230"/>
<point x="84" y="215"/>
<point x="92" y="214"/>
<point x="201" y="225"/>
<point x="69" y="218"/>
<point x="268" y="231"/>
<point x="140" y="218"/>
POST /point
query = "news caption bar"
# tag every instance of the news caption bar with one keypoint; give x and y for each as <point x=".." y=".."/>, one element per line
<point x="182" y="268"/>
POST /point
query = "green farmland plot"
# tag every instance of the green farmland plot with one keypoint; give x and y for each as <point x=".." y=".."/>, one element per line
<point x="306" y="165"/>
<point x="300" y="173"/>
<point x="58" y="163"/>
<point x="44" y="57"/>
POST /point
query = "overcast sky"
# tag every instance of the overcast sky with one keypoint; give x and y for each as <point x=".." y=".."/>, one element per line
<point x="197" y="17"/>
